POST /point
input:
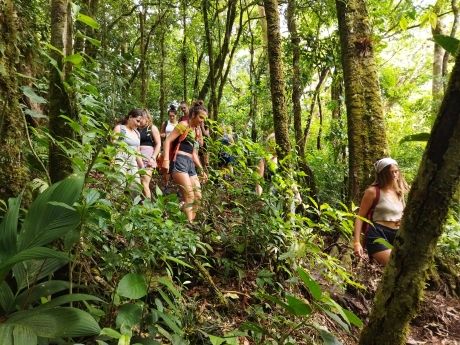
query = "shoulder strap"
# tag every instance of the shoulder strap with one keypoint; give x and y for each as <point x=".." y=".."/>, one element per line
<point x="375" y="202"/>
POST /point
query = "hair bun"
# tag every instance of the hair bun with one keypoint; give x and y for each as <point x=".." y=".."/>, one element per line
<point x="198" y="103"/>
<point x="172" y="107"/>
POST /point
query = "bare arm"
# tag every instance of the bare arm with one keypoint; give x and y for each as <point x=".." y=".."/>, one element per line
<point x="157" y="139"/>
<point x="366" y="204"/>
<point x="167" y="146"/>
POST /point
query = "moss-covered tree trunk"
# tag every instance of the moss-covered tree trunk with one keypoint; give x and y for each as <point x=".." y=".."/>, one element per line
<point x="59" y="99"/>
<point x="296" y="84"/>
<point x="366" y="128"/>
<point x="280" y="116"/>
<point x="184" y="55"/>
<point x="13" y="168"/>
<point x="402" y="286"/>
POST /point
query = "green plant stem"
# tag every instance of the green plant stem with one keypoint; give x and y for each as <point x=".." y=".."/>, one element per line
<point x="33" y="150"/>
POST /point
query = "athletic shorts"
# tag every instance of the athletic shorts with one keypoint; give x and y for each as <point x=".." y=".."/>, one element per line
<point x="376" y="231"/>
<point x="183" y="164"/>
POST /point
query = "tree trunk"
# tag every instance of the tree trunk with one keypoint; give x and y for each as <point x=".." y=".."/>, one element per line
<point x="143" y="56"/>
<point x="296" y="84"/>
<point x="366" y="127"/>
<point x="184" y="56"/>
<point x="211" y="74"/>
<point x="437" y="87"/>
<point x="13" y="168"/>
<point x="280" y="117"/>
<point x="453" y="32"/>
<point x="162" y="102"/>
<point x="404" y="279"/>
<point x="59" y="99"/>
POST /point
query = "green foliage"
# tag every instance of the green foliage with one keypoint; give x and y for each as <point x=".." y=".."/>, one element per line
<point x="31" y="313"/>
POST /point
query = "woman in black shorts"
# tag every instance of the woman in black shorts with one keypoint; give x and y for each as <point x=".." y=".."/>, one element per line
<point x="185" y="161"/>
<point x="383" y="203"/>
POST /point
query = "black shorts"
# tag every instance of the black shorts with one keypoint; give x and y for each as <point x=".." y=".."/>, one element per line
<point x="376" y="231"/>
<point x="183" y="164"/>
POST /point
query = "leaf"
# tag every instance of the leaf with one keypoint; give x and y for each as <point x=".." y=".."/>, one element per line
<point x="56" y="322"/>
<point x="74" y="59"/>
<point x="87" y="20"/>
<point x="450" y="44"/>
<point x="215" y="340"/>
<point x="166" y="281"/>
<point x="24" y="335"/>
<point x="6" y="297"/>
<point x="353" y="318"/>
<point x="132" y="286"/>
<point x="6" y="334"/>
<point x="109" y="332"/>
<point x="125" y="339"/>
<point x="129" y="315"/>
<point x="328" y="338"/>
<point x="298" y="307"/>
<point x="48" y="288"/>
<point x="415" y="137"/>
<point x="311" y="284"/>
<point x="60" y="300"/>
<point x="384" y="242"/>
<point x="178" y="261"/>
<point x="30" y="93"/>
<point x="35" y="270"/>
<point x="45" y="222"/>
<point x="30" y="254"/>
<point x="433" y="18"/>
<point x="9" y="228"/>
<point x="250" y="326"/>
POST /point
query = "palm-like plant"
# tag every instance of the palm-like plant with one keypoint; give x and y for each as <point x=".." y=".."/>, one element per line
<point x="28" y="311"/>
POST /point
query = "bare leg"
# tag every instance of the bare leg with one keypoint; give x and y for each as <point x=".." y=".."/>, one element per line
<point x="382" y="257"/>
<point x="196" y="192"/>
<point x="145" y="181"/>
<point x="260" y="171"/>
<point x="184" y="181"/>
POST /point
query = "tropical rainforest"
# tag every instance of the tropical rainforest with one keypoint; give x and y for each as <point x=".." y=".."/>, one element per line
<point x="85" y="258"/>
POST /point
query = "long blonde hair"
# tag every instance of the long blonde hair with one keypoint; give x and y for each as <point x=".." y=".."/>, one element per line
<point x="384" y="178"/>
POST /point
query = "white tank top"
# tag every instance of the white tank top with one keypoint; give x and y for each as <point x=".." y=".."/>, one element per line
<point x="387" y="209"/>
<point x="169" y="127"/>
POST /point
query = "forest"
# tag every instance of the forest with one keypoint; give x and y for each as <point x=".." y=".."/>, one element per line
<point x="287" y="113"/>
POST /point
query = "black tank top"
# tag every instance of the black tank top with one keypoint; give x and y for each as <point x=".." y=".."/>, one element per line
<point x="146" y="137"/>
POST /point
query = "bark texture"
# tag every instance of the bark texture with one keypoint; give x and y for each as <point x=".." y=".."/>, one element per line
<point x="296" y="84"/>
<point x="59" y="100"/>
<point x="13" y="168"/>
<point x="366" y="127"/>
<point x="436" y="182"/>
<point x="280" y="116"/>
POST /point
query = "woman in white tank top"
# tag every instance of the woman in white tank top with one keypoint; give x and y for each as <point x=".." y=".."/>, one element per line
<point x="384" y="200"/>
<point x="168" y="126"/>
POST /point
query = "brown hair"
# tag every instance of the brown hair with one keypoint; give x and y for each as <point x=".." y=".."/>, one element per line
<point x="384" y="178"/>
<point x="132" y="113"/>
<point x="197" y="107"/>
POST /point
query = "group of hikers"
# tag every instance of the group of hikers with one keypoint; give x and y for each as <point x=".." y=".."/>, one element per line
<point x="181" y="140"/>
<point x="178" y="150"/>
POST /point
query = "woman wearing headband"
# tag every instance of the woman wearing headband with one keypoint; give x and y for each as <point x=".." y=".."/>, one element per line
<point x="383" y="203"/>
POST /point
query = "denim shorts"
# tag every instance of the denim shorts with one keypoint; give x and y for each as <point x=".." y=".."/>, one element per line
<point x="376" y="231"/>
<point x="183" y="164"/>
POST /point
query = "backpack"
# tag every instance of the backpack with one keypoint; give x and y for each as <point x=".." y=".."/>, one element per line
<point x="365" y="226"/>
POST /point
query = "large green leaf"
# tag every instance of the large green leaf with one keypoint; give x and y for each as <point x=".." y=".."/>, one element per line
<point x="129" y="315"/>
<point x="132" y="286"/>
<point x="46" y="222"/>
<point x="35" y="270"/>
<point x="6" y="297"/>
<point x="23" y="335"/>
<point x="311" y="284"/>
<point x="6" y="334"/>
<point x="30" y="254"/>
<point x="450" y="44"/>
<point x="298" y="307"/>
<point x="56" y="322"/>
<point x="87" y="20"/>
<point x="9" y="229"/>
<point x="34" y="294"/>
<point x="65" y="299"/>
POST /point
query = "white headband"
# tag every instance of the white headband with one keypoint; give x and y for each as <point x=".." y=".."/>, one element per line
<point x="382" y="163"/>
